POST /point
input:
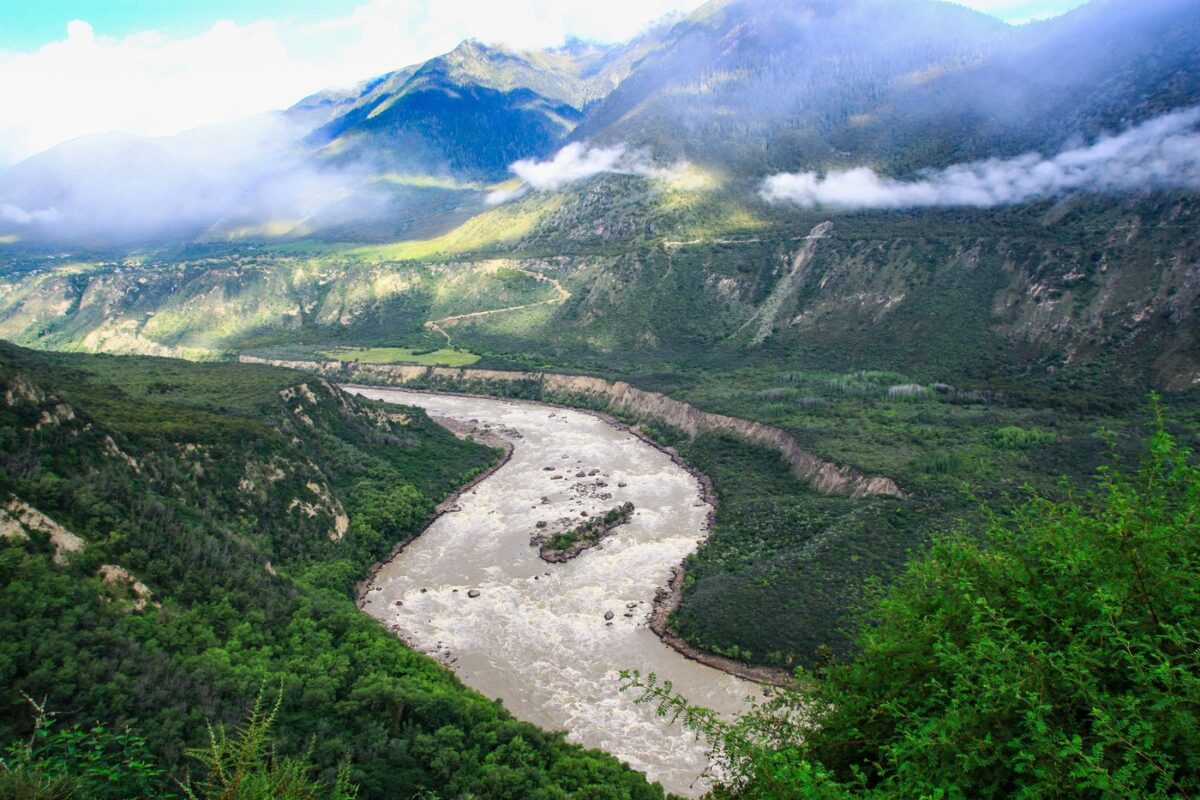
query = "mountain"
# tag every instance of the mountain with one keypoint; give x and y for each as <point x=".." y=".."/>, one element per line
<point x="757" y="81"/>
<point x="473" y="111"/>
<point x="739" y="88"/>
<point x="1097" y="69"/>
<point x="743" y="87"/>
<point x="901" y="84"/>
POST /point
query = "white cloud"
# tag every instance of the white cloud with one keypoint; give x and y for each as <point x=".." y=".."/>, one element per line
<point x="579" y="162"/>
<point x="575" y="162"/>
<point x="1163" y="153"/>
<point x="245" y="176"/>
<point x="19" y="216"/>
<point x="143" y="84"/>
<point x="1019" y="11"/>
<point x="151" y="84"/>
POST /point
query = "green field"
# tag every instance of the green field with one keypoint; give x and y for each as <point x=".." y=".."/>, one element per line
<point x="402" y="355"/>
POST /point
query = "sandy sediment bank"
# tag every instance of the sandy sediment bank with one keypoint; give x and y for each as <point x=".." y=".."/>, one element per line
<point x="822" y="475"/>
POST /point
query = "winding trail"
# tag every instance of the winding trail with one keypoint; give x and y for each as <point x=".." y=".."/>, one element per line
<point x="562" y="295"/>
<point x="550" y="639"/>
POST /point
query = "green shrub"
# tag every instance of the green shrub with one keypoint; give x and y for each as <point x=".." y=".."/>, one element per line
<point x="1015" y="438"/>
<point x="938" y="462"/>
<point x="244" y="766"/>
<point x="74" y="762"/>
<point x="1053" y="656"/>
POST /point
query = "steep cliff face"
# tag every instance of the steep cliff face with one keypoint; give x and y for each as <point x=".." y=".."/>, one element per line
<point x="1071" y="285"/>
<point x="617" y="396"/>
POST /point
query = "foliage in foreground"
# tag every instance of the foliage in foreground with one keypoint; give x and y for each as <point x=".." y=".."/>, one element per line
<point x="58" y="763"/>
<point x="1056" y="658"/>
<point x="245" y="766"/>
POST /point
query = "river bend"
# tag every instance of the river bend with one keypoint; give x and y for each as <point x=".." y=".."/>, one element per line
<point x="535" y="636"/>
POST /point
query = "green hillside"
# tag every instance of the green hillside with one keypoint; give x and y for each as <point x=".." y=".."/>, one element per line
<point x="176" y="537"/>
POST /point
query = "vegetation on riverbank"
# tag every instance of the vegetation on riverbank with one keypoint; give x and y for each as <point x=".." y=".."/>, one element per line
<point x="429" y="357"/>
<point x="1053" y="655"/>
<point x="786" y="567"/>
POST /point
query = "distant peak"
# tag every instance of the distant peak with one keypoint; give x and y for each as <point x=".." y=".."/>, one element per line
<point x="470" y="47"/>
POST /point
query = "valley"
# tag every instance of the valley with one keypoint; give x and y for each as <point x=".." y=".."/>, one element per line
<point x="782" y="400"/>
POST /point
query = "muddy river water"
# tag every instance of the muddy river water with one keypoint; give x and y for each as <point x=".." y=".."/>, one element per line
<point x="535" y="636"/>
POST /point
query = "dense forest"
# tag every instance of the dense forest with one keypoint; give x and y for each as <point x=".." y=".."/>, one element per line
<point x="177" y="540"/>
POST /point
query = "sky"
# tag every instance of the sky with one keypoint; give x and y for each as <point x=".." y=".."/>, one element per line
<point x="158" y="67"/>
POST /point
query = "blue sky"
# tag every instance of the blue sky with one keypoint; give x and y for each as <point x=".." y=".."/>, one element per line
<point x="156" y="67"/>
<point x="27" y="24"/>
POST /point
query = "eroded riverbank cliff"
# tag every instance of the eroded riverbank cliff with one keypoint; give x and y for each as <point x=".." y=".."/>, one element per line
<point x="617" y="396"/>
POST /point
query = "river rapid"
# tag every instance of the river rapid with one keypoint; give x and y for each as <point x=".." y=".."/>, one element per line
<point x="535" y="636"/>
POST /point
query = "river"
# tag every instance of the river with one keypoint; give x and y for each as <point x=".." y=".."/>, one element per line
<point x="536" y="636"/>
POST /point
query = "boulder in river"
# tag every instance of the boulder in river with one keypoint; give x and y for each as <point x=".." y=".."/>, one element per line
<point x="473" y="593"/>
<point x="608" y="615"/>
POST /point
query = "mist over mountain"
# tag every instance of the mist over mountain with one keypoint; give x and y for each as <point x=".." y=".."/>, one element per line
<point x="873" y="91"/>
<point x="1161" y="154"/>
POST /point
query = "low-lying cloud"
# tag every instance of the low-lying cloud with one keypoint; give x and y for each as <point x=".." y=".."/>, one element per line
<point x="574" y="163"/>
<point x="1163" y="153"/>
<point x="19" y="216"/>
<point x="218" y="180"/>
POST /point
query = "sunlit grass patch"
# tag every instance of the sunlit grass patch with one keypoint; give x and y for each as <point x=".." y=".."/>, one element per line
<point x="505" y="224"/>
<point x="428" y="181"/>
<point x="402" y="355"/>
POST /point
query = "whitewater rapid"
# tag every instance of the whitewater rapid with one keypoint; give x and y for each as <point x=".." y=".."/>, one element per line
<point x="536" y="636"/>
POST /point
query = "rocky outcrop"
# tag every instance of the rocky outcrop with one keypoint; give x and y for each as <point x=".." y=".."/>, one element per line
<point x="18" y="519"/>
<point x="561" y="547"/>
<point x="617" y="396"/>
<point x="123" y="581"/>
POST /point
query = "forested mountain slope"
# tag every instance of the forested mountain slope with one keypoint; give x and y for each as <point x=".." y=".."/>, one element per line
<point x="175" y="537"/>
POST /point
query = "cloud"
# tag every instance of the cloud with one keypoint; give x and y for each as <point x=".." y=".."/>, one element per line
<point x="19" y="216"/>
<point x="219" y="179"/>
<point x="579" y="162"/>
<point x="144" y="84"/>
<point x="575" y="162"/>
<point x="1163" y="153"/>
<point x="1019" y="11"/>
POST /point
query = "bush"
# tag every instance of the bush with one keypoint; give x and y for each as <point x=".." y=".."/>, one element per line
<point x="1055" y="656"/>
<point x="245" y="767"/>
<point x="91" y="764"/>
<point x="938" y="462"/>
<point x="1015" y="438"/>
